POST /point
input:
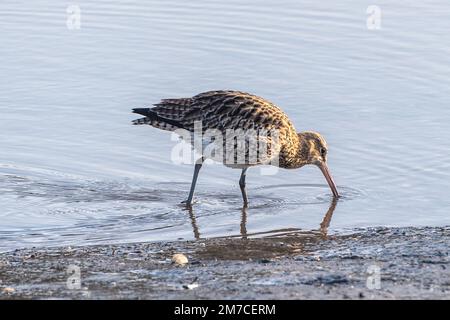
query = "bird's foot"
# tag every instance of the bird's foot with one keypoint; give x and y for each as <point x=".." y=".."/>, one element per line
<point x="187" y="203"/>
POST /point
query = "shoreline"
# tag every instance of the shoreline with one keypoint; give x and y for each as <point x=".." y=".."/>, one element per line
<point x="374" y="263"/>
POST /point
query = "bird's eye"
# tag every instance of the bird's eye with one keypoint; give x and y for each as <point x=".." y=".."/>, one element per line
<point x="323" y="152"/>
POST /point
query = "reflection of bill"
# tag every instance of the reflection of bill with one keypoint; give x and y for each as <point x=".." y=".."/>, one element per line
<point x="327" y="219"/>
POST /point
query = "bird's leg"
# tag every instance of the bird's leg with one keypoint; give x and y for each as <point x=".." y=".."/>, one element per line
<point x="244" y="223"/>
<point x="193" y="222"/>
<point x="242" y="186"/>
<point x="197" y="167"/>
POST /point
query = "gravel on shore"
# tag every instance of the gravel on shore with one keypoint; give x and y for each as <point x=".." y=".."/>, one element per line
<point x="375" y="263"/>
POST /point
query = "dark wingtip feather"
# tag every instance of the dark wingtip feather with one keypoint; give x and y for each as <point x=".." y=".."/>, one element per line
<point x="151" y="115"/>
<point x="142" y="111"/>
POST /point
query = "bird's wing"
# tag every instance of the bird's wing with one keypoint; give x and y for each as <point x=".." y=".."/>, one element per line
<point x="224" y="110"/>
<point x="173" y="109"/>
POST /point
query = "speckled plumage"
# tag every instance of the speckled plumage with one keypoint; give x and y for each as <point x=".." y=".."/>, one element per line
<point x="223" y="110"/>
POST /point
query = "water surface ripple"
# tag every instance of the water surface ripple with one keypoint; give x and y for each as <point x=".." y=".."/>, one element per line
<point x="74" y="171"/>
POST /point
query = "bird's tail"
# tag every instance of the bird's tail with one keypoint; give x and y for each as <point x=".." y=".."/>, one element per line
<point x="153" y="119"/>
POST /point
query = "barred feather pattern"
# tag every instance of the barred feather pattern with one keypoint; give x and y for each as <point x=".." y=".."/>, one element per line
<point x="227" y="109"/>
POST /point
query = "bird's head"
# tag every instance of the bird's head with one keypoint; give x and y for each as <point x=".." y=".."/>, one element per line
<point x="313" y="150"/>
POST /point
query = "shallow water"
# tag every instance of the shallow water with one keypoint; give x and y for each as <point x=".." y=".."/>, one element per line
<point x="74" y="171"/>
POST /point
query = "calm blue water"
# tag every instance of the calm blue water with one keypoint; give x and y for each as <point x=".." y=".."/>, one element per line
<point x="74" y="171"/>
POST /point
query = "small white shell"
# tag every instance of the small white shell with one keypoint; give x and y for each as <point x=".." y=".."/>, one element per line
<point x="8" y="290"/>
<point x="179" y="259"/>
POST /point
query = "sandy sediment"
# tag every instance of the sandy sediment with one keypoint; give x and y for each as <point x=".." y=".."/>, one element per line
<point x="378" y="263"/>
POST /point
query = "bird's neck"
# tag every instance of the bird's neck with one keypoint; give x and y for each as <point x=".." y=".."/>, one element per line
<point x="294" y="153"/>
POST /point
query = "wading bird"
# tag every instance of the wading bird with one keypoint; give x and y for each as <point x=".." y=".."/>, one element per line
<point x="226" y="111"/>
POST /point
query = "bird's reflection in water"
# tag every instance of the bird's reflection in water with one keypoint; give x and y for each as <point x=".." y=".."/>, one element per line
<point x="265" y="244"/>
<point x="244" y="223"/>
<point x="327" y="219"/>
<point x="193" y="223"/>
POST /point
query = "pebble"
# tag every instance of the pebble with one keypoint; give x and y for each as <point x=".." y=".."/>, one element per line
<point x="265" y="261"/>
<point x="190" y="286"/>
<point x="179" y="259"/>
<point x="8" y="290"/>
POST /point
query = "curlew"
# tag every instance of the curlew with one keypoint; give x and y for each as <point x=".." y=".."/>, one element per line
<point x="234" y="115"/>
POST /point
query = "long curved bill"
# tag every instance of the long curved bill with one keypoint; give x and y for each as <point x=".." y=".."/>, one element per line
<point x="324" y="168"/>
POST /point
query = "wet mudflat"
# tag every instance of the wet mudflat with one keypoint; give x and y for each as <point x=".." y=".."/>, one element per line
<point x="410" y="263"/>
